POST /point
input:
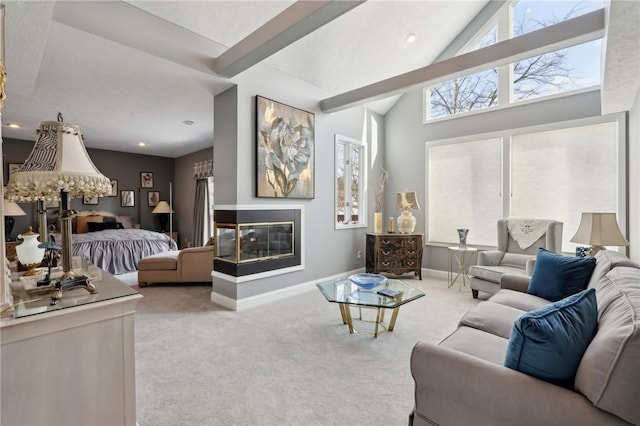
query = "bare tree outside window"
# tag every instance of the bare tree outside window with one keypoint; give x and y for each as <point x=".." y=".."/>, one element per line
<point x="532" y="77"/>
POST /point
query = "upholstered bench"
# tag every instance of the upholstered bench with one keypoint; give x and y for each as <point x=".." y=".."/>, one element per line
<point x="178" y="266"/>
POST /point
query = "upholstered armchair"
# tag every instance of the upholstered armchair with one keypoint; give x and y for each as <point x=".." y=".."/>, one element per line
<point x="518" y="243"/>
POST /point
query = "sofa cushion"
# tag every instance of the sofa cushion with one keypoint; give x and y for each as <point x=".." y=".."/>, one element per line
<point x="477" y="343"/>
<point x="548" y="343"/>
<point x="556" y="276"/>
<point x="606" y="260"/>
<point x="164" y="261"/>
<point x="492" y="318"/>
<point x="609" y="372"/>
<point x="516" y="299"/>
<point x="516" y="260"/>
<point x="493" y="273"/>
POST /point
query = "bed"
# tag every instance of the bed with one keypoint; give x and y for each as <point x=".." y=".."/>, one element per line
<point x="112" y="243"/>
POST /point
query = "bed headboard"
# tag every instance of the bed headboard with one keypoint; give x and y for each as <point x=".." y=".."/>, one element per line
<point x="81" y="219"/>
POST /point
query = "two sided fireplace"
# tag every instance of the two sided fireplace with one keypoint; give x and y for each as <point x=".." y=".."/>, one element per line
<point x="254" y="241"/>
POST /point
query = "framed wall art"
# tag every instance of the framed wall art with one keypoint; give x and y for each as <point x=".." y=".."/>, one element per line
<point x="153" y="198"/>
<point x="127" y="198"/>
<point x="92" y="201"/>
<point x="285" y="144"/>
<point x="114" y="188"/>
<point x="146" y="179"/>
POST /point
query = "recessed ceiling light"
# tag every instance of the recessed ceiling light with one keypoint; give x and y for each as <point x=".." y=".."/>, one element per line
<point x="411" y="37"/>
<point x="188" y="122"/>
<point x="142" y="144"/>
<point x="13" y="125"/>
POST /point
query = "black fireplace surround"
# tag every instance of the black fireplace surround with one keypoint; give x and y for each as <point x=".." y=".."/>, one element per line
<point x="254" y="241"/>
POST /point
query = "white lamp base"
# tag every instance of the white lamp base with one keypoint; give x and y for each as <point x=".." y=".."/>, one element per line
<point x="406" y="222"/>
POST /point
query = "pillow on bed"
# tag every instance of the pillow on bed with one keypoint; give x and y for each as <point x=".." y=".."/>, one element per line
<point x="126" y="221"/>
<point x="82" y="223"/>
<point x="101" y="226"/>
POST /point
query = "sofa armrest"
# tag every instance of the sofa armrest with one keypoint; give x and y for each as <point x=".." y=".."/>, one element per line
<point x="454" y="388"/>
<point x="490" y="257"/>
<point x="195" y="263"/>
<point x="515" y="282"/>
<point x="528" y="269"/>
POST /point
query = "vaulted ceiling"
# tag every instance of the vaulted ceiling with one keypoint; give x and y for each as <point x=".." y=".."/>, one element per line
<point x="135" y="71"/>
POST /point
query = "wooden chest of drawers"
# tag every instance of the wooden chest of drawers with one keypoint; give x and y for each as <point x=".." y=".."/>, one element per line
<point x="394" y="253"/>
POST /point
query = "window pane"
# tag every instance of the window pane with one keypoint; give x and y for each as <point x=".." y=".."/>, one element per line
<point x="532" y="15"/>
<point x="463" y="94"/>
<point x="559" y="174"/>
<point x="340" y="182"/>
<point x="355" y="182"/>
<point x="465" y="191"/>
<point x="556" y="72"/>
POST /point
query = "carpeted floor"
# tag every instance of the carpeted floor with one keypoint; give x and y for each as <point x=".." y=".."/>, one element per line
<point x="290" y="362"/>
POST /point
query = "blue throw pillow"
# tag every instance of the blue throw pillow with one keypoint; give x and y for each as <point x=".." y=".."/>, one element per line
<point x="556" y="276"/>
<point x="548" y="343"/>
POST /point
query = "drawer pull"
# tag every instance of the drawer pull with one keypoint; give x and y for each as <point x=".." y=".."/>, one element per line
<point x="385" y="241"/>
<point x="411" y="263"/>
<point x="411" y="252"/>
<point x="386" y="252"/>
<point x="386" y="263"/>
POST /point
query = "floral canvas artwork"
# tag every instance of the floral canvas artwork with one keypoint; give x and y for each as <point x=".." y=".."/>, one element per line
<point x="285" y="150"/>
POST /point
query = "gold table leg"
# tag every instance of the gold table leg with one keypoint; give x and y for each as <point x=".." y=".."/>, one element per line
<point x="342" y="307"/>
<point x="347" y="312"/>
<point x="394" y="317"/>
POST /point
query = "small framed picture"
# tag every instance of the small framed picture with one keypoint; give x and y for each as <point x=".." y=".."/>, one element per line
<point x="92" y="201"/>
<point x="114" y="188"/>
<point x="127" y="198"/>
<point x="13" y="167"/>
<point x="146" y="179"/>
<point x="153" y="197"/>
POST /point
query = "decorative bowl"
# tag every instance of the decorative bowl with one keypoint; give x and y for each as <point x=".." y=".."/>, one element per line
<point x="367" y="281"/>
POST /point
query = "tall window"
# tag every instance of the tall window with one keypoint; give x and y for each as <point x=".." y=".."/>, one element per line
<point x="561" y="71"/>
<point x="556" y="172"/>
<point x="350" y="183"/>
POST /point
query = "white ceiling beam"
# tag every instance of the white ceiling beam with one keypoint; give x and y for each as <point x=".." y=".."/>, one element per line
<point x="295" y="22"/>
<point x="564" y="34"/>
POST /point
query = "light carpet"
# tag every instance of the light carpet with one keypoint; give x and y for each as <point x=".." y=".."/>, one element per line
<point x="290" y="362"/>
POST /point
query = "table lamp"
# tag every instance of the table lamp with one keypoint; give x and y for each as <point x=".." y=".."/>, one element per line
<point x="59" y="168"/>
<point x="163" y="209"/>
<point x="406" y="201"/>
<point x="9" y="210"/>
<point x="599" y="230"/>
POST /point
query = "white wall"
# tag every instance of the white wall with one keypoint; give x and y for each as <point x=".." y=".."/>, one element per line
<point x="327" y="251"/>
<point x="406" y="135"/>
<point x="634" y="179"/>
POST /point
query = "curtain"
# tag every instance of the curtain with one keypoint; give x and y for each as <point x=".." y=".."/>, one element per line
<point x="203" y="169"/>
<point x="200" y="213"/>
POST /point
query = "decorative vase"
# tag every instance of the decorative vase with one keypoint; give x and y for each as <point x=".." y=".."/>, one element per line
<point x="377" y="222"/>
<point x="406" y="222"/>
<point x="29" y="254"/>
<point x="462" y="235"/>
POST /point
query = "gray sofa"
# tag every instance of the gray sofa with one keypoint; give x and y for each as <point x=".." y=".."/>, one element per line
<point x="463" y="381"/>
<point x="509" y="258"/>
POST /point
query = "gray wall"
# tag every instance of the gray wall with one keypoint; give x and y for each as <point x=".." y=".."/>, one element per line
<point x="406" y="135"/>
<point x="327" y="251"/>
<point x="225" y="147"/>
<point x="184" y="193"/>
<point x="124" y="167"/>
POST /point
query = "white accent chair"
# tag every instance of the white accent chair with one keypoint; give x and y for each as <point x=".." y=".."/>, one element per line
<point x="509" y="258"/>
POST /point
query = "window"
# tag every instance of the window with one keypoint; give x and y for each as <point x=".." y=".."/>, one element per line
<point x="208" y="212"/>
<point x="350" y="183"/>
<point x="553" y="172"/>
<point x="561" y="71"/>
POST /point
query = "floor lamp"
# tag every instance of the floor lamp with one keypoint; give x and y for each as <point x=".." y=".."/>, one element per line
<point x="58" y="169"/>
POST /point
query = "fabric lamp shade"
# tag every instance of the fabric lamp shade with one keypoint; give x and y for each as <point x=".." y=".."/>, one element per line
<point x="10" y="208"/>
<point x="407" y="200"/>
<point x="162" y="207"/>
<point x="58" y="162"/>
<point x="599" y="229"/>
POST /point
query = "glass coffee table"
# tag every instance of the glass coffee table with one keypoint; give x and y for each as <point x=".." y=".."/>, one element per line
<point x="346" y="294"/>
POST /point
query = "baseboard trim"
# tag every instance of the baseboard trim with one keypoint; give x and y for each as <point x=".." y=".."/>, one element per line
<point x="283" y="293"/>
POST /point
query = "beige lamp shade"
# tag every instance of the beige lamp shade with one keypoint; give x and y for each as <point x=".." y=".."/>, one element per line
<point x="9" y="208"/>
<point x="58" y="162"/>
<point x="599" y="229"/>
<point x="162" y="207"/>
<point x="407" y="200"/>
